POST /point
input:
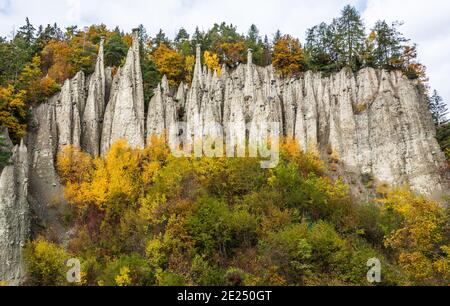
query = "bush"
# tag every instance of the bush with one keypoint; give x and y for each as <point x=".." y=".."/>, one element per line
<point x="130" y="270"/>
<point x="146" y="218"/>
<point x="209" y="226"/>
<point x="46" y="264"/>
<point x="290" y="251"/>
<point x="205" y="274"/>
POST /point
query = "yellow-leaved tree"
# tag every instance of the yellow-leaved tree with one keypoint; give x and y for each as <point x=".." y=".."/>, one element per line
<point x="56" y="61"/>
<point x="170" y="63"/>
<point x="189" y="65"/>
<point x="212" y="61"/>
<point x="288" y="57"/>
<point x="13" y="112"/>
<point x="422" y="240"/>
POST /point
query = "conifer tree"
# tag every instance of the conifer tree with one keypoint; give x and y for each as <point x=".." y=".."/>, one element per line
<point x="348" y="38"/>
<point x="389" y="44"/>
<point x="438" y="109"/>
<point x="115" y="50"/>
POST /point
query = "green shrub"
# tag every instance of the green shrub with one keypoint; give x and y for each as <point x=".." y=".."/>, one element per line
<point x="134" y="268"/>
<point x="46" y="263"/>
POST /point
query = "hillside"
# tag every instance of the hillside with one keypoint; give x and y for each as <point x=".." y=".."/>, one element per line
<point x="222" y="160"/>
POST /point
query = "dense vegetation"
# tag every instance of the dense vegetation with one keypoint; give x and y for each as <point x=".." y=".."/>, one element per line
<point x="143" y="217"/>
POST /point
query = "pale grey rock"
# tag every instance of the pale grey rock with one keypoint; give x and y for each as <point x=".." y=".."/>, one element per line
<point x="180" y="97"/>
<point x="162" y="116"/>
<point x="197" y="79"/>
<point x="193" y="130"/>
<point x="249" y="82"/>
<point x="94" y="109"/>
<point x="125" y="115"/>
<point x="67" y="109"/>
<point x="45" y="189"/>
<point x="377" y="121"/>
<point x="108" y="83"/>
<point x="290" y="98"/>
<point x="194" y="127"/>
<point x="108" y="115"/>
<point x="171" y="111"/>
<point x="14" y="216"/>
<point x="211" y="108"/>
<point x="156" y="114"/>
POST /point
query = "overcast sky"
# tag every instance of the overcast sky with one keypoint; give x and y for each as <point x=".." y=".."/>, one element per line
<point x="427" y="22"/>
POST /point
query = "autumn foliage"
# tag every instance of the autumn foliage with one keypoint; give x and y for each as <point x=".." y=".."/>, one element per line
<point x="422" y="241"/>
<point x="232" y="53"/>
<point x="288" y="57"/>
<point x="143" y="217"/>
<point x="212" y="62"/>
<point x="169" y="63"/>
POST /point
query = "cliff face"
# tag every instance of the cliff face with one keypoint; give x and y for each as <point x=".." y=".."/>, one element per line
<point x="14" y="216"/>
<point x="125" y="116"/>
<point x="95" y="107"/>
<point x="377" y="121"/>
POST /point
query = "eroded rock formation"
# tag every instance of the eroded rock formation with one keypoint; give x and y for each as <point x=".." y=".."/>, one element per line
<point x="377" y="121"/>
<point x="14" y="216"/>
<point x="125" y="115"/>
<point x="95" y="107"/>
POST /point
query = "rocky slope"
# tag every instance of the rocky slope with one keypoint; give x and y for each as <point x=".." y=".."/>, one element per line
<point x="376" y="121"/>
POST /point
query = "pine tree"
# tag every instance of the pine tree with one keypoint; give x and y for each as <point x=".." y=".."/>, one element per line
<point x="150" y="76"/>
<point x="267" y="52"/>
<point x="319" y="47"/>
<point x="349" y="37"/>
<point x="71" y="32"/>
<point x="143" y="36"/>
<point x="276" y="37"/>
<point x="115" y="50"/>
<point x="253" y="34"/>
<point x="438" y="109"/>
<point x="389" y="44"/>
<point x="182" y="36"/>
<point x="255" y="43"/>
<point x="160" y="39"/>
<point x="27" y="32"/>
<point x="7" y="62"/>
<point x="182" y="43"/>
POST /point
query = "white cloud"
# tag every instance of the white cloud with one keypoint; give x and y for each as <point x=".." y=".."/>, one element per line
<point x="426" y="22"/>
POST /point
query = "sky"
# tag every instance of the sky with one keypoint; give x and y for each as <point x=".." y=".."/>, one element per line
<point x="426" y="22"/>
